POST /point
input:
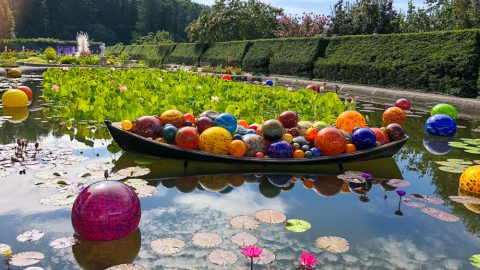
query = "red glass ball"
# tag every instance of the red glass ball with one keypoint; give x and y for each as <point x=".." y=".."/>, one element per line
<point x="106" y="210"/>
<point x="403" y="104"/>
<point x="289" y="119"/>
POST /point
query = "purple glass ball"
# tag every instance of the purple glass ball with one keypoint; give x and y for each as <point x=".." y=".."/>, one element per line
<point x="106" y="210"/>
<point x="280" y="149"/>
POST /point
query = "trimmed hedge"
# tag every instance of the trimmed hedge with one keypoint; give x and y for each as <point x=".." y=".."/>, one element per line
<point x="40" y="44"/>
<point x="226" y="53"/>
<point x="116" y="49"/>
<point x="186" y="53"/>
<point x="441" y="62"/>
<point x="152" y="54"/>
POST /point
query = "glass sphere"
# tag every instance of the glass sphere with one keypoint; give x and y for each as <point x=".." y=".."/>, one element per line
<point x="363" y="138"/>
<point x="441" y="125"/>
<point x="470" y="180"/>
<point x="350" y="119"/>
<point x="444" y="108"/>
<point x="227" y="121"/>
<point x="216" y="140"/>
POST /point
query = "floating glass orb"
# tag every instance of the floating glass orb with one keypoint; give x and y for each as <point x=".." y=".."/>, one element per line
<point x="241" y="130"/>
<point x="227" y="121"/>
<point x="441" y="125"/>
<point x="380" y="135"/>
<point x="444" y="108"/>
<point x="216" y="140"/>
<point x="106" y="210"/>
<point x="315" y="152"/>
<point x="363" y="138"/>
<point x="350" y="119"/>
<point x="470" y="180"/>
<point x="269" y="82"/>
<point x="394" y="115"/>
<point x="403" y="104"/>
<point x="14" y="98"/>
<point x="281" y="149"/>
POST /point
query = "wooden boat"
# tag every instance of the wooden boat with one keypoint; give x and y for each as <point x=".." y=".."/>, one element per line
<point x="129" y="141"/>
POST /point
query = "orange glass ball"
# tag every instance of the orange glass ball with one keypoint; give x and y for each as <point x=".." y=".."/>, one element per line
<point x="331" y="141"/>
<point x="243" y="123"/>
<point x="189" y="117"/>
<point x="237" y="148"/>
<point x="394" y="115"/>
<point x="308" y="184"/>
<point x="173" y="117"/>
<point x="298" y="154"/>
<point x="348" y="120"/>
<point x="350" y="148"/>
<point x="311" y="133"/>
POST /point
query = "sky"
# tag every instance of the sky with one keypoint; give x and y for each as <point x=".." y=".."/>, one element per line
<point x="315" y="6"/>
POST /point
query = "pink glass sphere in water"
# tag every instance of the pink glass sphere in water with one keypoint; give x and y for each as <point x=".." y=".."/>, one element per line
<point x="106" y="210"/>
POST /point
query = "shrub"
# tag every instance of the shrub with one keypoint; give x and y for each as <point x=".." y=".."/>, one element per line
<point x="294" y="56"/>
<point x="153" y="55"/>
<point x="226" y="53"/>
<point x="442" y="62"/>
<point x="186" y="53"/>
<point x="89" y="60"/>
<point x="50" y="54"/>
<point x="69" y="59"/>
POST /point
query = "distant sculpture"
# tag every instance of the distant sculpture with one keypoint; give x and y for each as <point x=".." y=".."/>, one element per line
<point x="6" y="48"/>
<point x="23" y="48"/>
<point x="102" y="50"/>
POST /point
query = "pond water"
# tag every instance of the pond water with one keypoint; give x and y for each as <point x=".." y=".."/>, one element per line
<point x="204" y="197"/>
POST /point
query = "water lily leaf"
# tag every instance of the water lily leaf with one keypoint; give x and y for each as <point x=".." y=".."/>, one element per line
<point x="458" y="144"/>
<point x="333" y="244"/>
<point x="410" y="203"/>
<point x="30" y="236"/>
<point x="222" y="257"/>
<point x="26" y="258"/>
<point x="206" y="240"/>
<point x="143" y="162"/>
<point x="145" y="190"/>
<point x="4" y="248"/>
<point x="244" y="239"/>
<point x="135" y="182"/>
<point x="64" y="242"/>
<point x="53" y="183"/>
<point x="475" y="151"/>
<point x="129" y="266"/>
<point x="100" y="166"/>
<point x="465" y="199"/>
<point x="51" y="174"/>
<point x="476" y="161"/>
<point x="439" y="214"/>
<point x="398" y="183"/>
<point x="167" y="246"/>
<point x="456" y="169"/>
<point x="270" y="216"/>
<point x="267" y="257"/>
<point x="428" y="199"/>
<point x="297" y="225"/>
<point x="134" y="171"/>
<point x="475" y="259"/>
<point x="244" y="222"/>
<point x="59" y="199"/>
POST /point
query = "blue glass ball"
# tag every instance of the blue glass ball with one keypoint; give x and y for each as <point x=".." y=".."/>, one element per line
<point x="169" y="132"/>
<point x="280" y="149"/>
<point x="241" y="130"/>
<point x="227" y="121"/>
<point x="315" y="152"/>
<point x="237" y="137"/>
<point x="251" y="131"/>
<point x="363" y="138"/>
<point x="441" y="125"/>
<point x="188" y="124"/>
<point x="269" y="82"/>
<point x="305" y="148"/>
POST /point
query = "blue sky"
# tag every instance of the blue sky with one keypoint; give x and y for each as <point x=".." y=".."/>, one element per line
<point x="315" y="6"/>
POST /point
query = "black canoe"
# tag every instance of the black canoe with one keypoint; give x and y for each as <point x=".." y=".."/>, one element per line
<point x="131" y="142"/>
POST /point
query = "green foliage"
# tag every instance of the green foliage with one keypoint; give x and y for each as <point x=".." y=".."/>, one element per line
<point x="68" y="59"/>
<point x="475" y="260"/>
<point x="89" y="60"/>
<point x="229" y="20"/>
<point x="226" y="53"/>
<point x="153" y="55"/>
<point x="94" y="94"/>
<point x="115" y="50"/>
<point x="7" y="26"/>
<point x="293" y="56"/>
<point x="186" y="53"/>
<point x="442" y="62"/>
<point x="154" y="38"/>
<point x="50" y="54"/>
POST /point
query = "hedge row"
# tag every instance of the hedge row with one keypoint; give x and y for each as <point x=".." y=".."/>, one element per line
<point x="442" y="62"/>
<point x="40" y="44"/>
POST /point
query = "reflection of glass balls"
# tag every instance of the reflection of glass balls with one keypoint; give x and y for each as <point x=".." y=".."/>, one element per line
<point x="255" y="143"/>
<point x="349" y="119"/>
<point x="441" y="125"/>
<point x="444" y="108"/>
<point x="394" y="115"/>
<point x="330" y="141"/>
<point x="470" y="180"/>
<point x="437" y="145"/>
<point x="272" y="130"/>
<point x="280" y="149"/>
<point x="363" y="138"/>
<point x="227" y="121"/>
<point x="215" y="140"/>
<point x="14" y="98"/>
<point x="106" y="210"/>
<point x="187" y="137"/>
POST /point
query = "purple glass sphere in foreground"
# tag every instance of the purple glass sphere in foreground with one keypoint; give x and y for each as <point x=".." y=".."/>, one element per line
<point x="106" y="210"/>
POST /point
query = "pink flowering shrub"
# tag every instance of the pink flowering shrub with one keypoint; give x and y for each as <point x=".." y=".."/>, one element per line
<point x="308" y="25"/>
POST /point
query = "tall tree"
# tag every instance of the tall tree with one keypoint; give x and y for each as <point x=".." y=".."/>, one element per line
<point x="7" y="21"/>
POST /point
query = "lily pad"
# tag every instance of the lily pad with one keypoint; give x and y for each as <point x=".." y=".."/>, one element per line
<point x="26" y="258"/>
<point x="51" y="174"/>
<point x="59" y="199"/>
<point x="30" y="236"/>
<point x="439" y="214"/>
<point x="475" y="259"/>
<point x="408" y="202"/>
<point x="244" y="239"/>
<point x="456" y="169"/>
<point x="145" y="190"/>
<point x="64" y="242"/>
<point x="100" y="166"/>
<point x="244" y="222"/>
<point x="4" y="248"/>
<point x="398" y="183"/>
<point x="135" y="182"/>
<point x="267" y="257"/>
<point x="206" y="240"/>
<point x="129" y="266"/>
<point x="465" y="199"/>
<point x="428" y="199"/>
<point x="351" y="178"/>
<point x="222" y="257"/>
<point x="270" y="216"/>
<point x="333" y="244"/>
<point x="475" y="151"/>
<point x="134" y="171"/>
<point x="297" y="225"/>
<point x="167" y="246"/>
<point x="457" y="144"/>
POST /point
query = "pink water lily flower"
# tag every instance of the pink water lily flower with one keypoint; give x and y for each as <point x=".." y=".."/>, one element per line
<point x="307" y="260"/>
<point x="55" y="87"/>
<point x="123" y="88"/>
<point x="252" y="251"/>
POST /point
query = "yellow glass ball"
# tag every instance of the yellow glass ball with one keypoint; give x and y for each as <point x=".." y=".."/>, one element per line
<point x="215" y="140"/>
<point x="14" y="98"/>
<point x="287" y="137"/>
<point x="470" y="180"/>
<point x="14" y="73"/>
<point x="470" y="206"/>
<point x="127" y="125"/>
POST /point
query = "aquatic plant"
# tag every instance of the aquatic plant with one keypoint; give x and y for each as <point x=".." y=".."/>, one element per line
<point x="400" y="193"/>
<point x="251" y="252"/>
<point x="307" y="261"/>
<point x="475" y="260"/>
